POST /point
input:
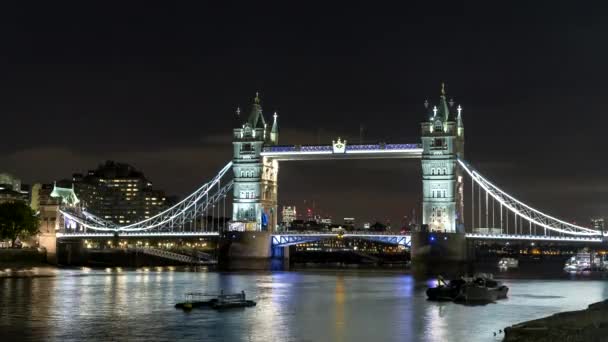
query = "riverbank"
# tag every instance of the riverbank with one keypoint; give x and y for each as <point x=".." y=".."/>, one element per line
<point x="586" y="325"/>
<point x="22" y="258"/>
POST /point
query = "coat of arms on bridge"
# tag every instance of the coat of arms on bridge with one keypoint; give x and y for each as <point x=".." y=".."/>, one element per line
<point x="339" y="146"/>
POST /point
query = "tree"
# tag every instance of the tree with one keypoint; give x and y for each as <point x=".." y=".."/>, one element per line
<point x="17" y="220"/>
<point x="378" y="227"/>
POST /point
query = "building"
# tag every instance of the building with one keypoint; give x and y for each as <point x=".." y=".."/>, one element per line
<point x="11" y="189"/>
<point x="255" y="178"/>
<point x="289" y="214"/>
<point x="442" y="186"/>
<point x="41" y="195"/>
<point x="598" y="223"/>
<point x="326" y="221"/>
<point x="119" y="193"/>
<point x="9" y="181"/>
<point x="349" y="221"/>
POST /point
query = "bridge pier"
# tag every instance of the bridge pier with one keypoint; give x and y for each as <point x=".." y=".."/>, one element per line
<point x="48" y="226"/>
<point x="439" y="253"/>
<point x="251" y="251"/>
<point x="71" y="252"/>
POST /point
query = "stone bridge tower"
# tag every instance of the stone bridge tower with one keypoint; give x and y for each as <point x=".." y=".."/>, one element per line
<point x="442" y="187"/>
<point x="255" y="178"/>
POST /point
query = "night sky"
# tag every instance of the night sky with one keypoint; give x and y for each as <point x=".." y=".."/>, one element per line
<point x="157" y="87"/>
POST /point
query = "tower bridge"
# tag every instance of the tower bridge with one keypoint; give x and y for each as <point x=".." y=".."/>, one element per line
<point x="251" y="178"/>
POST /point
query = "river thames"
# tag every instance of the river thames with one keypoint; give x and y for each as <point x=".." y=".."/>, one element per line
<point x="313" y="305"/>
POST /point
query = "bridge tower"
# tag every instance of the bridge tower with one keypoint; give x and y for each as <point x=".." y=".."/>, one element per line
<point x="255" y="178"/>
<point x="442" y="187"/>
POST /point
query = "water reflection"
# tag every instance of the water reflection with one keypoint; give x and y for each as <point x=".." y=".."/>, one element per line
<point x="339" y="309"/>
<point x="106" y="304"/>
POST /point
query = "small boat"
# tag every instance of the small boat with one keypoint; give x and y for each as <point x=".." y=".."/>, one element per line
<point x="445" y="291"/>
<point x="481" y="288"/>
<point x="232" y="301"/>
<point x="584" y="262"/>
<point x="506" y="263"/>
<point x="196" y="300"/>
<point x="221" y="301"/>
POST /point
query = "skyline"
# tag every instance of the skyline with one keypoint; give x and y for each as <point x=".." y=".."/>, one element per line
<point x="162" y="97"/>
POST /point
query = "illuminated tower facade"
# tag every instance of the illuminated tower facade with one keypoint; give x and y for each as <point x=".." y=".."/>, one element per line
<point x="255" y="177"/>
<point x="442" y="187"/>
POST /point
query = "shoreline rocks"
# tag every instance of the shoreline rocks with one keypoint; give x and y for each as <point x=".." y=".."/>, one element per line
<point x="587" y="325"/>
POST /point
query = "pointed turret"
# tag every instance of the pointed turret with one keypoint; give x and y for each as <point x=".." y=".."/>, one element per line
<point x="443" y="110"/>
<point x="459" y="124"/>
<point x="274" y="132"/>
<point x="238" y="120"/>
<point x="256" y="118"/>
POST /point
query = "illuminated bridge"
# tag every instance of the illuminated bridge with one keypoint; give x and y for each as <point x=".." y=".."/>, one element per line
<point x="251" y="180"/>
<point x="501" y="215"/>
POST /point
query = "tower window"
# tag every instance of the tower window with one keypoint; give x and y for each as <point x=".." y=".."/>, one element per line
<point x="438" y="143"/>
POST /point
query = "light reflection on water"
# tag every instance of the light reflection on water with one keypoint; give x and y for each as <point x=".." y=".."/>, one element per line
<point x="338" y="306"/>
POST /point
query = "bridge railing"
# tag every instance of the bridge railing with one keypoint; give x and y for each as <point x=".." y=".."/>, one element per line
<point x="333" y="233"/>
<point x="350" y="147"/>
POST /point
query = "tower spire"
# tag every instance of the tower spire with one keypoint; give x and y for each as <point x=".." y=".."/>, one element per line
<point x="256" y="118"/>
<point x="459" y="124"/>
<point x="444" y="110"/>
<point x="274" y="131"/>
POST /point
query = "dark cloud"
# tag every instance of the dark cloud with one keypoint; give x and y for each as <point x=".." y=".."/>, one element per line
<point x="157" y="87"/>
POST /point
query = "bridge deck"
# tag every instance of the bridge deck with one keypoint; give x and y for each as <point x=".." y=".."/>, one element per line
<point x="288" y="238"/>
<point x="361" y="151"/>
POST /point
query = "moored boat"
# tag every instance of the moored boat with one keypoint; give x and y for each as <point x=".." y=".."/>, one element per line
<point x="482" y="288"/>
<point x="232" y="301"/>
<point x="506" y="263"/>
<point x="221" y="301"/>
<point x="445" y="290"/>
<point x="584" y="262"/>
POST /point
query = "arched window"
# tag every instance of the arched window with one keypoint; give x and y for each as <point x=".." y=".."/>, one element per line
<point x="445" y="171"/>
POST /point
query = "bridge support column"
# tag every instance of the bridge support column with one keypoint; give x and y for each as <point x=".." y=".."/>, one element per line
<point x="250" y="251"/>
<point x="439" y="253"/>
<point x="71" y="252"/>
<point x="48" y="226"/>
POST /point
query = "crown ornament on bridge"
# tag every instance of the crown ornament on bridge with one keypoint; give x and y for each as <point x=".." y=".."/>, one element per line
<point x="339" y="146"/>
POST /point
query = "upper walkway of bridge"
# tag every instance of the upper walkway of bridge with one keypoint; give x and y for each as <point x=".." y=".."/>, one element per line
<point x="342" y="150"/>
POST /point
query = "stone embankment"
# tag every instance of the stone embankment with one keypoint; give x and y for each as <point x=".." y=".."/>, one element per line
<point x="587" y="325"/>
<point x="16" y="257"/>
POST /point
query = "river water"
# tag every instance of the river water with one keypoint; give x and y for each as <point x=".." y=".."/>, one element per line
<point x="320" y="305"/>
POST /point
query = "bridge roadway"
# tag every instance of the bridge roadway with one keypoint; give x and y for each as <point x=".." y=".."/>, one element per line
<point x="284" y="239"/>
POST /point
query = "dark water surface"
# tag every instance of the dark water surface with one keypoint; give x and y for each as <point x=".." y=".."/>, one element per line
<point x="336" y="305"/>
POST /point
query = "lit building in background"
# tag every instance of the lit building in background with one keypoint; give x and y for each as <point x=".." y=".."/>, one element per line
<point x="326" y="221"/>
<point x="598" y="223"/>
<point x="40" y="194"/>
<point x="11" y="189"/>
<point x="349" y="221"/>
<point x="289" y="215"/>
<point x="310" y="215"/>
<point x="119" y="193"/>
